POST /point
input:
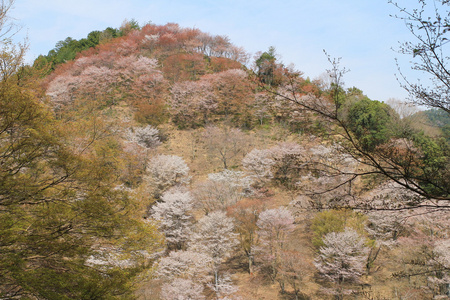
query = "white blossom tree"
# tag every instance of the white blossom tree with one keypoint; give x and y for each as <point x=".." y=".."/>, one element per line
<point x="440" y="263"/>
<point x="146" y="137"/>
<point x="185" y="264"/>
<point x="385" y="226"/>
<point x="214" y="237"/>
<point x="224" y="287"/>
<point x="174" y="217"/>
<point x="165" y="171"/>
<point x="342" y="260"/>
<point x="182" y="289"/>
<point x="258" y="164"/>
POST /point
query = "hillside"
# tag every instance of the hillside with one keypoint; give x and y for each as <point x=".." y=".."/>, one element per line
<point x="162" y="163"/>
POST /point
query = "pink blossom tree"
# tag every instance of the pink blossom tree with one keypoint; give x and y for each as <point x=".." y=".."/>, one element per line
<point x="106" y="77"/>
<point x="274" y="228"/>
<point x="192" y="103"/>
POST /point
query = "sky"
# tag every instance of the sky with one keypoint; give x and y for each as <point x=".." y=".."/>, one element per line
<point x="360" y="32"/>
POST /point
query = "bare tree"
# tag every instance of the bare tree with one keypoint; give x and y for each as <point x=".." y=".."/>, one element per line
<point x="7" y="27"/>
<point x="295" y="269"/>
<point x="222" y="190"/>
<point x="226" y="144"/>
<point x="429" y="25"/>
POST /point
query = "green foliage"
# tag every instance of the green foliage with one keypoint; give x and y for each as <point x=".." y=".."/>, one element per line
<point x="59" y="207"/>
<point x="68" y="49"/>
<point x="441" y="119"/>
<point x="446" y="132"/>
<point x="434" y="165"/>
<point x="438" y="117"/>
<point x="336" y="221"/>
<point x="266" y="65"/>
<point x="371" y="122"/>
<point x="108" y="34"/>
<point x="128" y="26"/>
<point x="267" y="57"/>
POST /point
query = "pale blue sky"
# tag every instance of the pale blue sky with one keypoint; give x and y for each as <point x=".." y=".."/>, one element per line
<point x="359" y="31"/>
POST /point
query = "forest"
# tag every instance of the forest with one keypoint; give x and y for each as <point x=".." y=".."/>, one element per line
<point x="161" y="162"/>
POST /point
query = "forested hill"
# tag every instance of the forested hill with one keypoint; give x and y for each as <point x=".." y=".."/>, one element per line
<point x="161" y="162"/>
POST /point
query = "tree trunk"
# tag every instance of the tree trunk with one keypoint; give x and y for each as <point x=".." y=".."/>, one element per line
<point x="250" y="264"/>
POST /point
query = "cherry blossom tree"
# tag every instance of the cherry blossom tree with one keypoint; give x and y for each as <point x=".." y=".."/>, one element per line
<point x="342" y="260"/>
<point x="258" y="164"/>
<point x="106" y="77"/>
<point x="174" y="217"/>
<point x="96" y="83"/>
<point x="275" y="226"/>
<point x="182" y="289"/>
<point x="385" y="226"/>
<point x="214" y="237"/>
<point x="165" y="171"/>
<point x="60" y="90"/>
<point x="441" y="265"/>
<point x="185" y="264"/>
<point x="192" y="103"/>
<point x="224" y="288"/>
<point x="146" y="137"/>
<point x="222" y="190"/>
